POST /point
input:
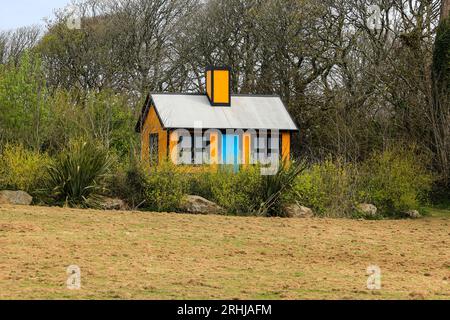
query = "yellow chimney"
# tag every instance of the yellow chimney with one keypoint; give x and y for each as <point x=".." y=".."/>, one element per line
<point x="218" y="86"/>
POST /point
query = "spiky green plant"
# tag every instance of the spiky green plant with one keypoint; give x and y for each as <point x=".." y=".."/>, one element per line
<point x="274" y="186"/>
<point x="78" y="174"/>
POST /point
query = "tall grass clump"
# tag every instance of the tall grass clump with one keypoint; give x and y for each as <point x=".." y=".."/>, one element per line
<point x="274" y="187"/>
<point x="78" y="175"/>
<point x="22" y="168"/>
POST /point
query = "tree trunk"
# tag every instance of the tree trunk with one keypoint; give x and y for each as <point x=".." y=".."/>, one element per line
<point x="445" y="9"/>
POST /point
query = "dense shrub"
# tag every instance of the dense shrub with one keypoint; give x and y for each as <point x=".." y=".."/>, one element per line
<point x="395" y="180"/>
<point x="199" y="183"/>
<point x="245" y="192"/>
<point x="164" y="188"/>
<point x="329" y="188"/>
<point x="142" y="187"/>
<point x="129" y="183"/>
<point x="78" y="175"/>
<point x="238" y="193"/>
<point x="22" y="169"/>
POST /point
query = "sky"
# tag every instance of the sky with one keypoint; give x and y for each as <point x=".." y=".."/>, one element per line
<point x="20" y="13"/>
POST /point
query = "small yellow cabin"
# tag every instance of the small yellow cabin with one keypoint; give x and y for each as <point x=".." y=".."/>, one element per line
<point x="216" y="128"/>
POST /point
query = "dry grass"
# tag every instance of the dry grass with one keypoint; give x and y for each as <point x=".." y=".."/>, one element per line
<point x="135" y="255"/>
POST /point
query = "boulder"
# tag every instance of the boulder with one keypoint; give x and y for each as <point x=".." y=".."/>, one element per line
<point x="199" y="205"/>
<point x="413" y="214"/>
<point x="15" y="198"/>
<point x="367" y="209"/>
<point x="113" y="204"/>
<point x="297" y="211"/>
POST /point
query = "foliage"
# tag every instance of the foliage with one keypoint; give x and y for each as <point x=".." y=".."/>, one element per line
<point x="164" y="188"/>
<point x="23" y="102"/>
<point x="104" y="117"/>
<point x="441" y="55"/>
<point x="36" y="117"/>
<point x="246" y="192"/>
<point x="273" y="187"/>
<point x="129" y="183"/>
<point x="329" y="188"/>
<point x="22" y="168"/>
<point x="239" y="193"/>
<point x="78" y="174"/>
<point x="200" y="183"/>
<point x="441" y="108"/>
<point x="107" y="118"/>
<point x="395" y="180"/>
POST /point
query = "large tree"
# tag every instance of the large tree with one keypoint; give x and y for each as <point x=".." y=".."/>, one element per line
<point x="440" y="111"/>
<point x="125" y="45"/>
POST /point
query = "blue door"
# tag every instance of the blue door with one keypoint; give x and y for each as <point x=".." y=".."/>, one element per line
<point x="230" y="150"/>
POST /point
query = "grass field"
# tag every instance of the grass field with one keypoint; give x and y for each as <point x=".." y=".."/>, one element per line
<point x="132" y="255"/>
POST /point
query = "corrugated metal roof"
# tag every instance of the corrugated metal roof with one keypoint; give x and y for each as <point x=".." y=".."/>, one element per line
<point x="246" y="112"/>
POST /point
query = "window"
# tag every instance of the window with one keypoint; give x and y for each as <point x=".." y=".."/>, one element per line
<point x="265" y="145"/>
<point x="154" y="149"/>
<point x="185" y="149"/>
<point x="193" y="150"/>
<point x="205" y="150"/>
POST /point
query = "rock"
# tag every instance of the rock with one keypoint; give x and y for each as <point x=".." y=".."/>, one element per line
<point x="15" y="198"/>
<point x="199" y="205"/>
<point x="413" y="214"/>
<point x="297" y="211"/>
<point x="367" y="209"/>
<point x="113" y="204"/>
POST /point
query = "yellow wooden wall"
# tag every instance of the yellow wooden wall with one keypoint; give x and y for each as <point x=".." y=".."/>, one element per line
<point x="153" y="125"/>
<point x="286" y="146"/>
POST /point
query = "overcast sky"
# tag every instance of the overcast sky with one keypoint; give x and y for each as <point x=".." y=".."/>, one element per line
<point x="20" y="13"/>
